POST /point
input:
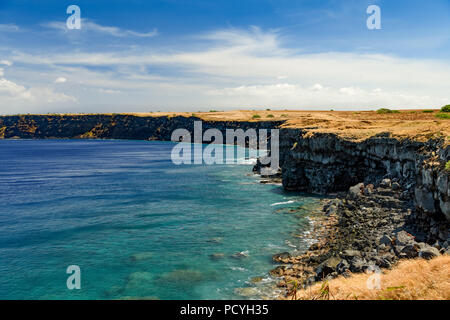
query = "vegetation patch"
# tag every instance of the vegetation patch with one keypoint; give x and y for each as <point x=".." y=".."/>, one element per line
<point x="256" y="116"/>
<point x="385" y="111"/>
<point x="447" y="166"/>
<point x="445" y="108"/>
<point x="428" y="111"/>
<point x="443" y="115"/>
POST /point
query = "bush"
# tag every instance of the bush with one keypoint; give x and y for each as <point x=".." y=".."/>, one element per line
<point x="385" y="111"/>
<point x="213" y="110"/>
<point x="256" y="116"/>
<point x="442" y="115"/>
<point x="446" y="108"/>
<point x="428" y="111"/>
<point x="447" y="166"/>
<point x="270" y="116"/>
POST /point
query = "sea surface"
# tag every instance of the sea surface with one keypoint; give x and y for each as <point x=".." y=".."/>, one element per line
<point x="137" y="225"/>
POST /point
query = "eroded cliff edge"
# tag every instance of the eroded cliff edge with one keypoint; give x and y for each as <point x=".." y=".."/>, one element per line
<point x="325" y="163"/>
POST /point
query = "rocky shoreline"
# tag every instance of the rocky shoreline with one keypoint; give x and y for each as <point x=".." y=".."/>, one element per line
<point x="389" y="199"/>
<point x="366" y="228"/>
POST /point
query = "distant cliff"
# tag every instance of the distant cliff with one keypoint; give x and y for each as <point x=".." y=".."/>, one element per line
<point x="102" y="126"/>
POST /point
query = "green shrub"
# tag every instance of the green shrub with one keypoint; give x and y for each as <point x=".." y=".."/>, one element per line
<point x="442" y="115"/>
<point x="256" y="116"/>
<point x="270" y="116"/>
<point x="284" y="115"/>
<point x="428" y="111"/>
<point x="213" y="110"/>
<point x="446" y="108"/>
<point x="447" y="166"/>
<point x="385" y="111"/>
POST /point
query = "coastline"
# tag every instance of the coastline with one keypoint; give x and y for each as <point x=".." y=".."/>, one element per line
<point x="389" y="194"/>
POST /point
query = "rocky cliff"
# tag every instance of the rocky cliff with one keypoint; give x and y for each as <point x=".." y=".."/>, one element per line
<point x="325" y="163"/>
<point x="115" y="126"/>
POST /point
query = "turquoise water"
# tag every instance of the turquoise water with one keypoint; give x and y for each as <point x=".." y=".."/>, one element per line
<point x="137" y="225"/>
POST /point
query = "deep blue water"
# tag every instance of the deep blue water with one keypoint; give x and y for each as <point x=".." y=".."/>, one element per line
<point x="136" y="224"/>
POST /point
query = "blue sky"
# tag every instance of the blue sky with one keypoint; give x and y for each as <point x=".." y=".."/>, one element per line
<point x="198" y="55"/>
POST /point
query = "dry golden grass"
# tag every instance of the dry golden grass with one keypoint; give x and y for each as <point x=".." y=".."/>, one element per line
<point x="409" y="280"/>
<point x="355" y="125"/>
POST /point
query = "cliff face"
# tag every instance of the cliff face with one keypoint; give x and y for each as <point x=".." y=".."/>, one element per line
<point x="111" y="126"/>
<point x="324" y="163"/>
<point x="318" y="163"/>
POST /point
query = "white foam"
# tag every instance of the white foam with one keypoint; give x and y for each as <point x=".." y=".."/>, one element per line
<point x="281" y="203"/>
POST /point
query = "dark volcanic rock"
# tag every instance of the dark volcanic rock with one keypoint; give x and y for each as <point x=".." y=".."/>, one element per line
<point x="429" y="252"/>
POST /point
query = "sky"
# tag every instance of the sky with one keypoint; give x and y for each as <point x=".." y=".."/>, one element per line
<point x="173" y="55"/>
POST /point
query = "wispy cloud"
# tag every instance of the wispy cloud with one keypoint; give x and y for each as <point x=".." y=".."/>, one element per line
<point x="60" y="80"/>
<point x="90" y="26"/>
<point x="6" y="63"/>
<point x="9" y="28"/>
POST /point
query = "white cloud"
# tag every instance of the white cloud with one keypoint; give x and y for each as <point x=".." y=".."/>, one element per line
<point x="109" y="91"/>
<point x="89" y="26"/>
<point x="318" y="96"/>
<point x="13" y="97"/>
<point x="6" y="63"/>
<point x="60" y="80"/>
<point x="239" y="67"/>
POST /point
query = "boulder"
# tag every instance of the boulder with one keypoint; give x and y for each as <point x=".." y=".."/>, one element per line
<point x="410" y="251"/>
<point x="240" y="255"/>
<point x="429" y="252"/>
<point x="403" y="238"/>
<point x="342" y="267"/>
<point x="385" y="183"/>
<point x="356" y="191"/>
<point x="358" y="265"/>
<point x="327" y="267"/>
<point x="381" y="262"/>
<point x="281" y="257"/>
<point x="386" y="240"/>
<point x="350" y="254"/>
<point x="396" y="186"/>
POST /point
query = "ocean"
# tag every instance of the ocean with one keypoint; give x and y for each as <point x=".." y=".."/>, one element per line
<point x="138" y="226"/>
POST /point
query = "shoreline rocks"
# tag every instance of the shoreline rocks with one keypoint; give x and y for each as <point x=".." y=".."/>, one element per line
<point x="358" y="232"/>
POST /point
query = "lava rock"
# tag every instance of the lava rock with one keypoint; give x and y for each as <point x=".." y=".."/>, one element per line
<point x="327" y="267"/>
<point x="429" y="253"/>
<point x="403" y="238"/>
<point x="279" y="257"/>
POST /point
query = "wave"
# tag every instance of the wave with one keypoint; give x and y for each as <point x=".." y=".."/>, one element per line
<point x="281" y="203"/>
